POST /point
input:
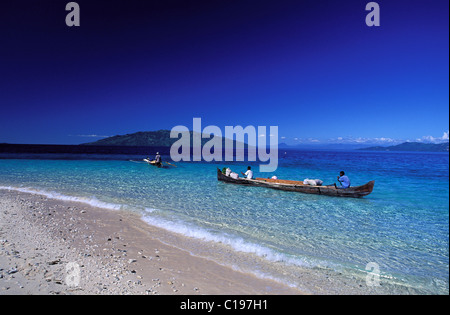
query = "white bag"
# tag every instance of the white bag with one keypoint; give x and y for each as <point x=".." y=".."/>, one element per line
<point x="313" y="182"/>
<point x="234" y="175"/>
<point x="319" y="182"/>
<point x="308" y="181"/>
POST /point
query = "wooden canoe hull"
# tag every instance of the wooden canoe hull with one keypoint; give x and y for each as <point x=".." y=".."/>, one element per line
<point x="353" y="192"/>
<point x="153" y="162"/>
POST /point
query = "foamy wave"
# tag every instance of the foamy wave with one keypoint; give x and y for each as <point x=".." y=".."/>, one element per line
<point x="238" y="244"/>
<point x="92" y="201"/>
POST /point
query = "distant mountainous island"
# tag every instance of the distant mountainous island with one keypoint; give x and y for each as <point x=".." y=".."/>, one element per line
<point x="413" y="146"/>
<point x="160" y="138"/>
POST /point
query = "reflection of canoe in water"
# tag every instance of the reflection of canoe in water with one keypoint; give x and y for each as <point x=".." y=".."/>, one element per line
<point x="297" y="186"/>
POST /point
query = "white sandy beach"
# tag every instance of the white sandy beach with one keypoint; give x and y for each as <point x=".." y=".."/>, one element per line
<point x="44" y="241"/>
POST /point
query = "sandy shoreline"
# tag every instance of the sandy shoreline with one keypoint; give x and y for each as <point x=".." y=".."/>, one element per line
<point x="62" y="247"/>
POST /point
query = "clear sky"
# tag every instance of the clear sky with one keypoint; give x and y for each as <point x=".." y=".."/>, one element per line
<point x="311" y="67"/>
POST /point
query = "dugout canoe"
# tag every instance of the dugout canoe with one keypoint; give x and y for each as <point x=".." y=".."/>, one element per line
<point x="298" y="186"/>
<point x="153" y="162"/>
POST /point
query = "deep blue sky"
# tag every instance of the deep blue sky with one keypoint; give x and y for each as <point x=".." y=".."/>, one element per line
<point x="312" y="67"/>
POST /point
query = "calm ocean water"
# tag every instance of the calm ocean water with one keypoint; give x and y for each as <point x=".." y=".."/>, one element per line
<point x="403" y="226"/>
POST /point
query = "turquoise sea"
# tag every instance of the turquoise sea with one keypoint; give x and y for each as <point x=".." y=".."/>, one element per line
<point x="402" y="227"/>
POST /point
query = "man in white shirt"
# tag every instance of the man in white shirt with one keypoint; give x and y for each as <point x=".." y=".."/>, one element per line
<point x="249" y="173"/>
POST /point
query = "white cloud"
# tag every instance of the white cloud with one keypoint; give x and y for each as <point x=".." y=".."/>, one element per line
<point x="431" y="139"/>
<point x="362" y="140"/>
<point x="382" y="139"/>
<point x="375" y="141"/>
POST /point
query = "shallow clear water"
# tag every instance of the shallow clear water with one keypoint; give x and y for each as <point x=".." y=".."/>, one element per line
<point x="402" y="226"/>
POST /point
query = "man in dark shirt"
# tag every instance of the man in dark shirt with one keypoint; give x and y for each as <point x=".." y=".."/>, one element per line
<point x="158" y="160"/>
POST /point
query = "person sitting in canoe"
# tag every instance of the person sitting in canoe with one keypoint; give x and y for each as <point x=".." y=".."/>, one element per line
<point x="158" y="160"/>
<point x="343" y="180"/>
<point x="249" y="173"/>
